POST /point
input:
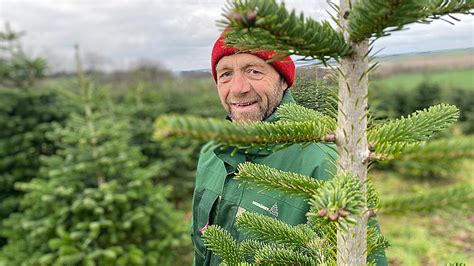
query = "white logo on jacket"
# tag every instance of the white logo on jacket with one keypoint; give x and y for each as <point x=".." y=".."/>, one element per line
<point x="272" y="210"/>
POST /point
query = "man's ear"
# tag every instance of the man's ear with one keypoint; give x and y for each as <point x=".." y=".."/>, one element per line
<point x="283" y="83"/>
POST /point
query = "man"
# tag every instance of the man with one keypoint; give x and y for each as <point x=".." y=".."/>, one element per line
<point x="250" y="90"/>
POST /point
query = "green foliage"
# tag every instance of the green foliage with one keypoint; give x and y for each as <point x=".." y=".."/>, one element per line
<point x="376" y="18"/>
<point x="313" y="94"/>
<point x="243" y="135"/>
<point x="373" y="196"/>
<point x="447" y="79"/>
<point x="271" y="230"/>
<point x="283" y="256"/>
<point x="266" y="24"/>
<point x="375" y="241"/>
<point x="173" y="161"/>
<point x="339" y="200"/>
<point x="221" y="242"/>
<point x="464" y="99"/>
<point x="26" y="116"/>
<point x="439" y="157"/>
<point x="390" y="138"/>
<point x="275" y="242"/>
<point x="314" y="241"/>
<point x="249" y="247"/>
<point x="444" y="7"/>
<point x="436" y="237"/>
<point x="267" y="178"/>
<point x="426" y="95"/>
<point x="295" y="112"/>
<point x="414" y="241"/>
<point x="443" y="198"/>
<point x="92" y="203"/>
<point x="16" y="68"/>
<point x="401" y="100"/>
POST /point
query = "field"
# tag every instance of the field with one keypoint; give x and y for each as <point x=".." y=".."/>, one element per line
<point x="434" y="238"/>
<point x="449" y="78"/>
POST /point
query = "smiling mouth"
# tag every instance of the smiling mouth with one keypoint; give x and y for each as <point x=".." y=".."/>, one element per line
<point x="244" y="104"/>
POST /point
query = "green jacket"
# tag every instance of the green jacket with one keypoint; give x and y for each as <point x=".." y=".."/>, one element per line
<point x="219" y="198"/>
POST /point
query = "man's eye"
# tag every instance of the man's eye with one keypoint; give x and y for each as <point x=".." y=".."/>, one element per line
<point x="254" y="72"/>
<point x="225" y="74"/>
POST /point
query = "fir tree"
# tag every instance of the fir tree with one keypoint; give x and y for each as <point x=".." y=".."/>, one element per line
<point x="92" y="204"/>
<point x="16" y="68"/>
<point x="336" y="231"/>
<point x="25" y="117"/>
<point x="173" y="161"/>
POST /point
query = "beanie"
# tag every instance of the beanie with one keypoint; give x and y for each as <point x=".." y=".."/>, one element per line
<point x="285" y="66"/>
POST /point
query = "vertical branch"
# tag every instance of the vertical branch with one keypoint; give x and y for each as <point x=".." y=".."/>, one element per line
<point x="352" y="136"/>
<point x="139" y="95"/>
<point x="88" y="113"/>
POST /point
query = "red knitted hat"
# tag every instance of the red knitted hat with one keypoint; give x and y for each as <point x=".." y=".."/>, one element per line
<point x="285" y="66"/>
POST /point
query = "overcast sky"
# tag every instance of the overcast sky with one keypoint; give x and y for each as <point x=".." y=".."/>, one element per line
<point x="178" y="33"/>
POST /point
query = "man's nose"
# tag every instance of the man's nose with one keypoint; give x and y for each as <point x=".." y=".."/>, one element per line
<point x="240" y="84"/>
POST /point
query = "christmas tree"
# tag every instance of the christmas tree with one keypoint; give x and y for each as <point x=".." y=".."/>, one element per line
<point x="16" y="68"/>
<point x="92" y="203"/>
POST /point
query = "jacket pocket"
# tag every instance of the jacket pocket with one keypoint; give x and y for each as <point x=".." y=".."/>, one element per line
<point x="205" y="202"/>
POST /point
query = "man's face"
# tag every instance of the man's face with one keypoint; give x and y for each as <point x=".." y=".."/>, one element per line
<point x="249" y="88"/>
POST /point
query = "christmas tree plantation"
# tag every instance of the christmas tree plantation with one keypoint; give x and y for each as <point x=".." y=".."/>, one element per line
<point x="25" y="115"/>
<point x="92" y="203"/>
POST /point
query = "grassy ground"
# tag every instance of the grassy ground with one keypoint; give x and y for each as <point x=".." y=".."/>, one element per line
<point x="457" y="78"/>
<point x="434" y="238"/>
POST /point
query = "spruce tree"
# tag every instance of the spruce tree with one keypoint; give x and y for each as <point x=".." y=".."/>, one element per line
<point x="173" y="161"/>
<point x="25" y="117"/>
<point x="17" y="69"/>
<point x="92" y="203"/>
<point x="336" y="231"/>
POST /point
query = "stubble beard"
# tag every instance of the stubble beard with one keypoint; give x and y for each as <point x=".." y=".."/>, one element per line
<point x="263" y="110"/>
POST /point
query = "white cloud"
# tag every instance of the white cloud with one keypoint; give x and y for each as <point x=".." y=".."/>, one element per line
<point x="178" y="33"/>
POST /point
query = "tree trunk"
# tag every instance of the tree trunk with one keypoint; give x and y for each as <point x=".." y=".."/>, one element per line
<point x="352" y="137"/>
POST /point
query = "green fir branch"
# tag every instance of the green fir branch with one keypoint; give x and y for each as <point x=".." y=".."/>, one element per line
<point x="322" y="250"/>
<point x="249" y="247"/>
<point x="316" y="95"/>
<point x="324" y="230"/>
<point x="440" y="8"/>
<point x="339" y="200"/>
<point x="375" y="241"/>
<point x="271" y="230"/>
<point x="242" y="135"/>
<point x="222" y="244"/>
<point x="257" y="24"/>
<point x="295" y="112"/>
<point x="376" y="18"/>
<point x="390" y="138"/>
<point x="440" y="150"/>
<point x="282" y="256"/>
<point x="328" y="231"/>
<point x="373" y="199"/>
<point x="439" y="157"/>
<point x="437" y="199"/>
<point x="262" y="176"/>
